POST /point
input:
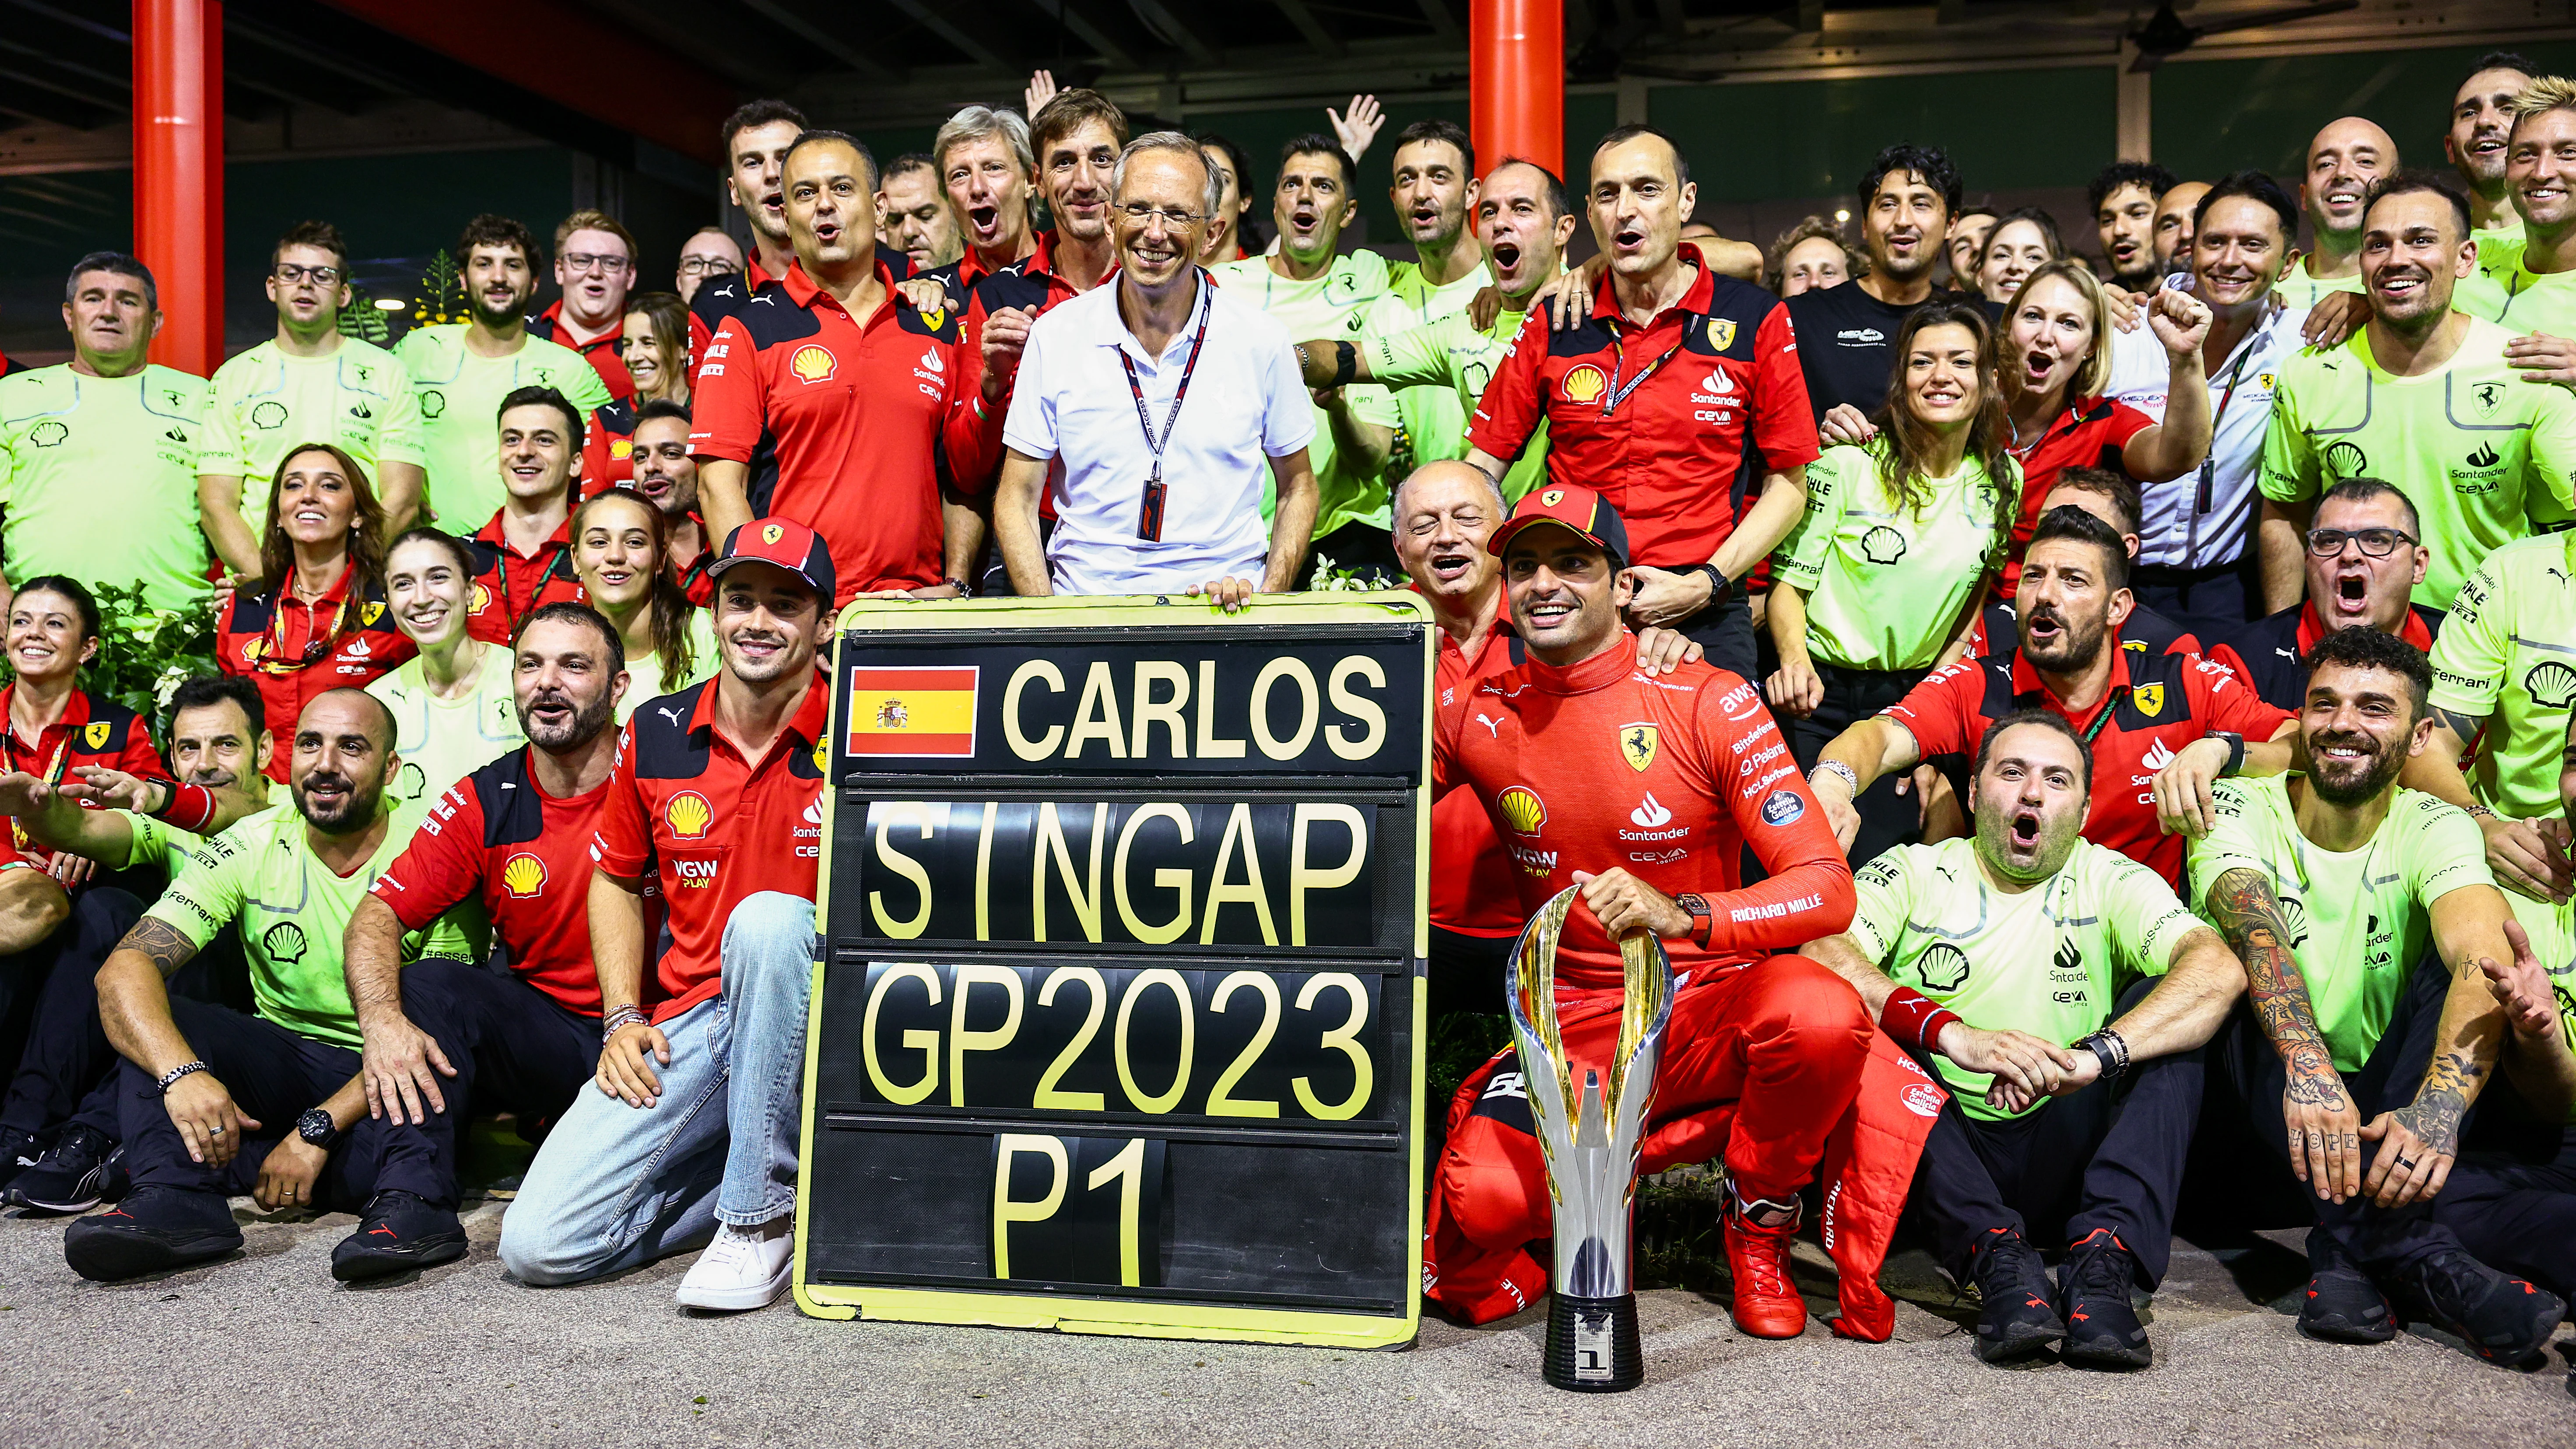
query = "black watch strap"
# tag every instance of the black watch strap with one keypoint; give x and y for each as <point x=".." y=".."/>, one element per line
<point x="316" y="1128"/>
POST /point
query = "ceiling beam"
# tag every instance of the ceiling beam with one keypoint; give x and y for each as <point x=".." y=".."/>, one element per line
<point x="1326" y="45"/>
<point x="35" y="99"/>
<point x="1089" y="32"/>
<point x="956" y="35"/>
<point x="1443" y="24"/>
<point x="793" y="20"/>
<point x="1165" y="21"/>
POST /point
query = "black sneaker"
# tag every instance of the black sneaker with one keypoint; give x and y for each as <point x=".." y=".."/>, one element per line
<point x="83" y="1170"/>
<point x="154" y="1230"/>
<point x="2019" y="1315"/>
<point x="2344" y="1306"/>
<point x="2503" y="1319"/>
<point x="18" y="1152"/>
<point x="398" y="1233"/>
<point x="2093" y="1284"/>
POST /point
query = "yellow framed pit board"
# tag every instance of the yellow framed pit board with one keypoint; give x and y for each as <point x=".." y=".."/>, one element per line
<point x="1118" y="1026"/>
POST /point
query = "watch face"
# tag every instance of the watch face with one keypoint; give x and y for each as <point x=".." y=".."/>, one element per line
<point x="314" y="1127"/>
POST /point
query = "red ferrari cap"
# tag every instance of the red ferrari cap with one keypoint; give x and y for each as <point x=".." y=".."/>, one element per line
<point x="784" y="542"/>
<point x="1568" y="505"/>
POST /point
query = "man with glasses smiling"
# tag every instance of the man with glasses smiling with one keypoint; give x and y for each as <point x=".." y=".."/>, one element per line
<point x="595" y="267"/>
<point x="2364" y="559"/>
<point x="308" y="384"/>
<point x="1121" y="527"/>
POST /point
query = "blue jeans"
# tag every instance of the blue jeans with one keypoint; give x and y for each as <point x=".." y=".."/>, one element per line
<point x="615" y="1186"/>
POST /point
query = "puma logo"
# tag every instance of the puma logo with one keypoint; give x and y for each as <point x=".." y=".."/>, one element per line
<point x="670" y="714"/>
<point x="1493" y="727"/>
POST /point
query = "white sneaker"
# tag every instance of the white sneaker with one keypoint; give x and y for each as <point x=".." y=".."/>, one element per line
<point x="744" y="1268"/>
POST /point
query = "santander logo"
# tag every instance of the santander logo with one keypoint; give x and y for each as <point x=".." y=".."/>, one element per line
<point x="1650" y="814"/>
<point x="2157" y="756"/>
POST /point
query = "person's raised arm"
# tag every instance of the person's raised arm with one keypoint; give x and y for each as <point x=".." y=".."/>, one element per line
<point x="404" y="484"/>
<point x="2419" y="1141"/>
<point x="2281" y="547"/>
<point x="1869" y="749"/>
<point x="1359" y="440"/>
<point x="2323" y="1126"/>
<point x="2178" y="444"/>
<point x="55" y="822"/>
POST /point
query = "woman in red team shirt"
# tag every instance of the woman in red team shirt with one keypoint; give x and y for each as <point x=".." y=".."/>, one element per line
<point x="54" y="727"/>
<point x="655" y="347"/>
<point x="321" y="623"/>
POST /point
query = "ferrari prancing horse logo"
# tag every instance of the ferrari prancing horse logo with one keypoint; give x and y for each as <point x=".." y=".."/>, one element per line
<point x="1637" y="745"/>
<point x="2149" y="698"/>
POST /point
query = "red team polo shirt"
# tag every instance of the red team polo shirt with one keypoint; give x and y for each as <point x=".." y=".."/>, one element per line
<point x="91" y="732"/>
<point x="285" y="645"/>
<point x="2156" y="703"/>
<point x="2089" y="434"/>
<point x="1676" y="458"/>
<point x="497" y="833"/>
<point x="867" y="417"/>
<point x="510" y="584"/>
<point x="714" y="827"/>
<point x="1472" y="889"/>
<point x="1595" y="765"/>
<point x="607" y="449"/>
<point x="600" y="352"/>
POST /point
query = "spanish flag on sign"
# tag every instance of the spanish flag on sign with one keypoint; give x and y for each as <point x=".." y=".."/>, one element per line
<point x="912" y="712"/>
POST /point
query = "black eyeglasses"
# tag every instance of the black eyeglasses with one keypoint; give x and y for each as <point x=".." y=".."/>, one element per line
<point x="290" y="274"/>
<point x="2375" y="542"/>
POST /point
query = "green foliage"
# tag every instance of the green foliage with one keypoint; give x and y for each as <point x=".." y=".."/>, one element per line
<point x="442" y="294"/>
<point x="364" y="320"/>
<point x="144" y="655"/>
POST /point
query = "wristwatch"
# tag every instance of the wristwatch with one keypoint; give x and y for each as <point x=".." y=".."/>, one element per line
<point x="1717" y="584"/>
<point x="316" y="1129"/>
<point x="1703" y="916"/>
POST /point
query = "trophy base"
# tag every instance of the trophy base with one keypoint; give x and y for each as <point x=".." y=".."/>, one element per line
<point x="1592" y="1344"/>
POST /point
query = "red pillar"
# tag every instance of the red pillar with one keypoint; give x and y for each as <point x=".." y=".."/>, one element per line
<point x="1516" y="80"/>
<point x="179" y="174"/>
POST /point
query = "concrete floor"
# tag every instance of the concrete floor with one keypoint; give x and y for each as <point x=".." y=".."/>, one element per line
<point x="265" y="1349"/>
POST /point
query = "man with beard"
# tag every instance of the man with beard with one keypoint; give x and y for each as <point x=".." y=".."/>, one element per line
<point x="2424" y="397"/>
<point x="445" y="1039"/>
<point x="2361" y="911"/>
<point x="2477" y="144"/>
<point x="2162" y="727"/>
<point x="913" y="213"/>
<point x="63" y="1092"/>
<point x="1847" y="333"/>
<point x="2345" y="159"/>
<point x="1435" y="198"/>
<point x="2363" y="563"/>
<point x="666" y="473"/>
<point x="2026" y="964"/>
<point x="214" y="1101"/>
<point x="461" y="371"/>
<point x="2122" y="201"/>
<point x="1522" y="226"/>
<point x="1313" y="290"/>
<point x="594" y="270"/>
<point x="714" y="802"/>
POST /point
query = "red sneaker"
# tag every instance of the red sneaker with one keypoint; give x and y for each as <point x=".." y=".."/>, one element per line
<point x="1767" y="1304"/>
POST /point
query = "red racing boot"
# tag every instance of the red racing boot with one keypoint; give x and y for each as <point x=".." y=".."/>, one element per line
<point x="1758" y="1231"/>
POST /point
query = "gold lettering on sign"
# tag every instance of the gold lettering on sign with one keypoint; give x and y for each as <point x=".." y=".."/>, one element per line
<point x="1166" y="878"/>
<point x="1364" y="710"/>
<point x="1171" y="981"/>
<point x="960" y="1040"/>
<point x="1021" y="744"/>
<point x="984" y="875"/>
<point x="916" y="1039"/>
<point x="1165" y="712"/>
<point x="1238" y="827"/>
<point x="1310" y="706"/>
<point x="1096" y="718"/>
<point x="1085" y="893"/>
<point x="1049" y="1096"/>
<point x="1210" y="747"/>
<point x="1302" y="880"/>
<point x="917" y="815"/>
<point x="1007" y="1210"/>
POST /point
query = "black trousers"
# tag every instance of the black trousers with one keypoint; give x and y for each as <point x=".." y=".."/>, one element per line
<point x="2511" y="1196"/>
<point x="1468" y="973"/>
<point x="1725" y="633"/>
<point x="275" y="1076"/>
<point x="2108" y="1156"/>
<point x="2214" y="603"/>
<point x="1887" y="819"/>
<point x="515" y="1049"/>
<point x="2350" y="1233"/>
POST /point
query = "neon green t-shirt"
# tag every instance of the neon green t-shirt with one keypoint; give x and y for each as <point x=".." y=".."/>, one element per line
<point x="1335" y="304"/>
<point x="2553" y="939"/>
<point x="2359" y="920"/>
<point x="2508" y="652"/>
<point x="2485" y="457"/>
<point x="156" y="844"/>
<point x="261" y="877"/>
<point x="1885" y="584"/>
<point x="99" y="479"/>
<point x="442" y="741"/>
<point x="265" y="402"/>
<point x="459" y="395"/>
<point x="2303" y="291"/>
<point x="1452" y="353"/>
<point x="2524" y="302"/>
<point x="2051" y="960"/>
<point x="1432" y="424"/>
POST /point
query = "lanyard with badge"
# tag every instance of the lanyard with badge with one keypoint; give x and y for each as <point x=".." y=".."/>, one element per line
<point x="272" y="659"/>
<point x="1149" y="524"/>
<point x="1618" y="391"/>
<point x="2209" y="465"/>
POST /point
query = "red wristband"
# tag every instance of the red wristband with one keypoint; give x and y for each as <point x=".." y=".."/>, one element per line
<point x="1914" y="1019"/>
<point x="190" y="807"/>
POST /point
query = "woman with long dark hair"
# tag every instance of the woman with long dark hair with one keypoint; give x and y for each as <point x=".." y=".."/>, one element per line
<point x="1880" y="582"/>
<point x="322" y="623"/>
<point x="619" y="541"/>
<point x="2022" y="241"/>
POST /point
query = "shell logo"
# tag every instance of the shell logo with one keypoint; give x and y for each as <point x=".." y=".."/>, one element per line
<point x="253" y="648"/>
<point x="479" y="600"/>
<point x="524" y="877"/>
<point x="620" y="449"/>
<point x="1522" y="810"/>
<point x="813" y="363"/>
<point x="1583" y="384"/>
<point x="688" y="815"/>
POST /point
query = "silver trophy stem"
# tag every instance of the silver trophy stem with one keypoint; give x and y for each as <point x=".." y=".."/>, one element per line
<point x="1588" y="1133"/>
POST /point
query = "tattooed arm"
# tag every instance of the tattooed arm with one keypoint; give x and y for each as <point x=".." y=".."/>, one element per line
<point x="2524" y="856"/>
<point x="134" y="1006"/>
<point x="2418" y="1141"/>
<point x="2323" y="1125"/>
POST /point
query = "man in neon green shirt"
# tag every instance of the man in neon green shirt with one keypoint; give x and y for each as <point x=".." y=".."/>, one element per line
<point x="1998" y="961"/>
<point x="2423" y="397"/>
<point x="308" y="384"/>
<point x="1316" y="293"/>
<point x="461" y="371"/>
<point x="2361" y="911"/>
<point x="2530" y="289"/>
<point x="1434" y="196"/>
<point x="1522" y="227"/>
<point x="98" y="455"/>
<point x="216" y="1102"/>
<point x="2476" y="143"/>
<point x="2344" y="158"/>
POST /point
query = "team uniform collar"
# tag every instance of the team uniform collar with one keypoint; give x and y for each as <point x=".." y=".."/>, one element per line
<point x="493" y="533"/>
<point x="1605" y="293"/>
<point x="75" y="713"/>
<point x="1600" y="671"/>
<point x="806" y="726"/>
<point x="2026" y="680"/>
<point x="2312" y="629"/>
<point x="802" y="290"/>
<point x="339" y="589"/>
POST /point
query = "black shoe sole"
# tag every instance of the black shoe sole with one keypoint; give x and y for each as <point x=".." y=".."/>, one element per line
<point x="2338" y="1330"/>
<point x="2546" y="1313"/>
<point x="2020" y="1341"/>
<point x="108" y="1255"/>
<point x="367" y="1264"/>
<point x="2108" y="1353"/>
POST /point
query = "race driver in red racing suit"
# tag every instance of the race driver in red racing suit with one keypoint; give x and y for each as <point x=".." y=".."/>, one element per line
<point x="1643" y="792"/>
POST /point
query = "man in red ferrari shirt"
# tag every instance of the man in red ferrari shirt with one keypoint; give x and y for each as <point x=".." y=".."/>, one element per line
<point x="717" y="801"/>
<point x="522" y="553"/>
<point x="1644" y="792"/>
<point x="1676" y="398"/>
<point x="2163" y="727"/>
<point x="517" y="834"/>
<point x="868" y="402"/>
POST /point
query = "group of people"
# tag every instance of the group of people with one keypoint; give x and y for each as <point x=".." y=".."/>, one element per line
<point x="2047" y="706"/>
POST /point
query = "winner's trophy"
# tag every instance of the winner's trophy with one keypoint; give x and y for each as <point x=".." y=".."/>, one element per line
<point x="1589" y="1134"/>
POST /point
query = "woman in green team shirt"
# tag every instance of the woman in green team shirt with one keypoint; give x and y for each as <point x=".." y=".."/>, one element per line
<point x="1881" y="580"/>
<point x="619" y="542"/>
<point x="452" y="706"/>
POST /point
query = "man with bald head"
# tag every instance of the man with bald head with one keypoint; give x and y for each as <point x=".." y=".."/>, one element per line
<point x="2343" y="160"/>
<point x="216" y="1102"/>
<point x="2174" y="214"/>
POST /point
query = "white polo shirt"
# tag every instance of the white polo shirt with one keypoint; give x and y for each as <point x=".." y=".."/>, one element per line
<point x="2179" y="532"/>
<point x="1247" y="404"/>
